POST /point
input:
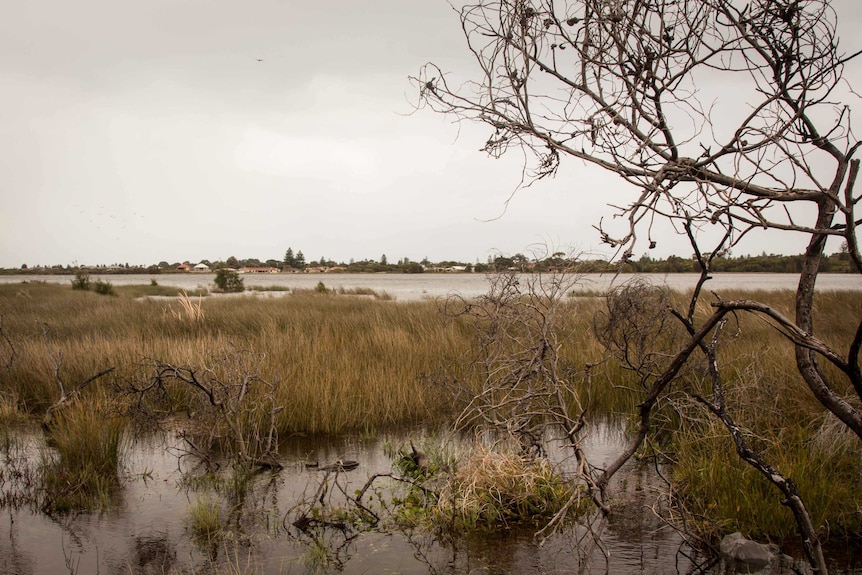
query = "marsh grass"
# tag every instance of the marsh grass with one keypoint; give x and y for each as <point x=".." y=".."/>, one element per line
<point x="722" y="494"/>
<point x="350" y="364"/>
<point x="321" y="290"/>
<point x="342" y="363"/>
<point x="9" y="412"/>
<point x="359" y="364"/>
<point x="189" y="309"/>
<point x="376" y="294"/>
<point x="317" y="557"/>
<point x="103" y="287"/>
<point x="474" y="488"/>
<point x="272" y="288"/>
<point x="781" y="418"/>
<point x="81" y="471"/>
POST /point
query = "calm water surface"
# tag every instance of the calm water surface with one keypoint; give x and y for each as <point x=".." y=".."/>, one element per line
<point x="147" y="533"/>
<point x="406" y="287"/>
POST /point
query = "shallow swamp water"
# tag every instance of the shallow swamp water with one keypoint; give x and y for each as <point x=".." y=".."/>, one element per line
<point x="146" y="530"/>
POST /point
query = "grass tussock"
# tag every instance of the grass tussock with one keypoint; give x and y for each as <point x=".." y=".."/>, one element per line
<point x="81" y="472"/>
<point x="492" y="490"/>
<point x="205" y="522"/>
<point x="189" y="309"/>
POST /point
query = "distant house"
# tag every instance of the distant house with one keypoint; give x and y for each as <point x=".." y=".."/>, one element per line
<point x="258" y="270"/>
<point x="202" y="268"/>
<point x="448" y="269"/>
<point x="184" y="268"/>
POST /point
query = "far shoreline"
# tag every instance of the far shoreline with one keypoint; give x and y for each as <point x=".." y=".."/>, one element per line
<point x="413" y="287"/>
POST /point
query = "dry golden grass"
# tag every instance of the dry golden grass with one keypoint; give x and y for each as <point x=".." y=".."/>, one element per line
<point x="189" y="309"/>
<point x="341" y="362"/>
<point x="494" y="489"/>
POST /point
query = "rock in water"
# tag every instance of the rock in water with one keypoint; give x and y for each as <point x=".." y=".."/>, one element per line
<point x="757" y="555"/>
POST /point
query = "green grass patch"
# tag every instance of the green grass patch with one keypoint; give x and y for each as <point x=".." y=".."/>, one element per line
<point x="272" y="288"/>
<point x="722" y="494"/>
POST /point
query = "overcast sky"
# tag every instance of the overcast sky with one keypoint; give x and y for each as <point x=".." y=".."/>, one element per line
<point x="140" y="131"/>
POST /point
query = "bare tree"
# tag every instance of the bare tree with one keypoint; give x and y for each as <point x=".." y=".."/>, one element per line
<point x="633" y="87"/>
<point x="237" y="408"/>
<point x="526" y="396"/>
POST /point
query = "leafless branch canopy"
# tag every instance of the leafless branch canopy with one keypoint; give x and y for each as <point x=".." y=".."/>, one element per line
<point x="718" y="112"/>
<point x="237" y="407"/>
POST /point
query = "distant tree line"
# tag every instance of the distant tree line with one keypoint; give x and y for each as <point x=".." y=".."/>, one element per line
<point x="838" y="262"/>
<point x="773" y="263"/>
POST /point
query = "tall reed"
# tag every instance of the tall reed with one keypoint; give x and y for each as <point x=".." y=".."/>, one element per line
<point x="781" y="419"/>
<point x="342" y="362"/>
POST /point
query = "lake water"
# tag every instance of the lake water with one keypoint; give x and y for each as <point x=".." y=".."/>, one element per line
<point x="408" y="287"/>
<point x="148" y="533"/>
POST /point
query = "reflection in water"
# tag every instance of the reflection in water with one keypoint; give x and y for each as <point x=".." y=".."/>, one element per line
<point x="14" y="557"/>
<point x="151" y="553"/>
<point x="149" y="534"/>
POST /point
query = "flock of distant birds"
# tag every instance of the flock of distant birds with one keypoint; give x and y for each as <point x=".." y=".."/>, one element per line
<point x="99" y="217"/>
